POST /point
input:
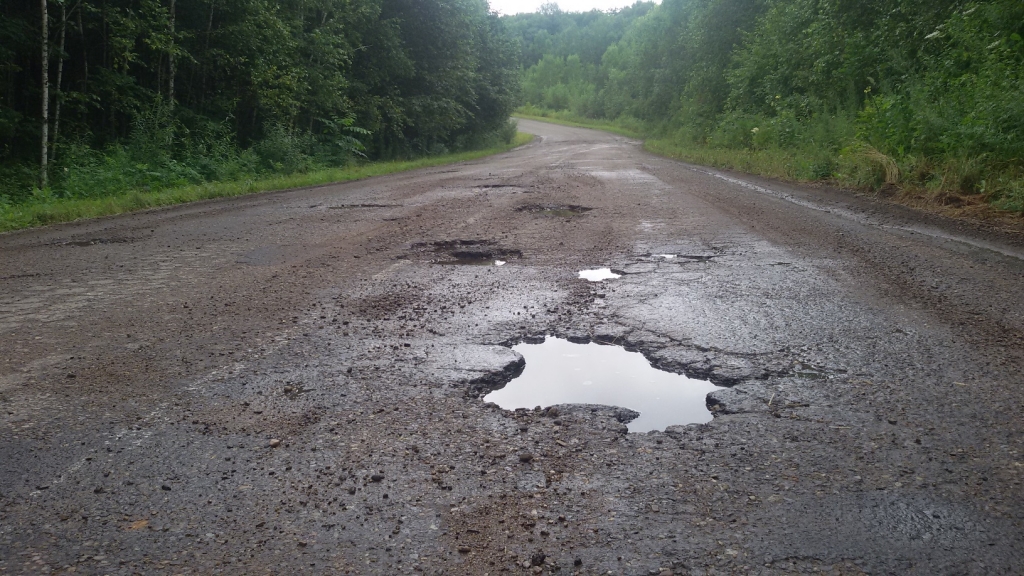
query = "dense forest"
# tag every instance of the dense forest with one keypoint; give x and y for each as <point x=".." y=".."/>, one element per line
<point x="103" y="96"/>
<point x="925" y="94"/>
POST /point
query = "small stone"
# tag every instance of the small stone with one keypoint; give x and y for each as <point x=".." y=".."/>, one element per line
<point x="377" y="477"/>
<point x="526" y="457"/>
<point x="302" y="544"/>
<point x="537" y="559"/>
<point x="526" y="563"/>
<point x="274" y="443"/>
<point x="165" y="488"/>
<point x="537" y="570"/>
<point x="577" y="562"/>
<point x="288" y="389"/>
<point x="464" y="549"/>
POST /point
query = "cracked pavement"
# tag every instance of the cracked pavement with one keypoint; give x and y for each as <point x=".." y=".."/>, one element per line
<point x="871" y="420"/>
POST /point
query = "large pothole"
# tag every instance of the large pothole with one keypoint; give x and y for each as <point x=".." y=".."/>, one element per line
<point x="555" y="210"/>
<point x="467" y="252"/>
<point x="561" y="372"/>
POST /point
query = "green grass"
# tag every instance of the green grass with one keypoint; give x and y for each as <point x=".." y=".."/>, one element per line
<point x="922" y="184"/>
<point x="50" y="211"/>
<point x="774" y="163"/>
<point x="569" y="119"/>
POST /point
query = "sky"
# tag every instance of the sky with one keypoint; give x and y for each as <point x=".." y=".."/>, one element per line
<point x="516" y="6"/>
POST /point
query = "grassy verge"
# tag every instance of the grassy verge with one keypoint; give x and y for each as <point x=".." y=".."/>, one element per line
<point x="912" y="182"/>
<point x="40" y="213"/>
<point x="568" y="119"/>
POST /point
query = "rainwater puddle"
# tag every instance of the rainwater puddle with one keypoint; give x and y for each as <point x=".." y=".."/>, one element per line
<point x="555" y="210"/>
<point x="560" y="372"/>
<point x="480" y="257"/>
<point x="599" y="274"/>
<point x="467" y="252"/>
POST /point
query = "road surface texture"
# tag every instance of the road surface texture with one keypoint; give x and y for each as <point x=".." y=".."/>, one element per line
<point x="871" y="420"/>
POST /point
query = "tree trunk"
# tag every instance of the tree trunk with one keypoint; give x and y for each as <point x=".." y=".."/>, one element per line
<point x="206" y="57"/>
<point x="170" y="61"/>
<point x="45" y="78"/>
<point x="85" y="53"/>
<point x="60" y="79"/>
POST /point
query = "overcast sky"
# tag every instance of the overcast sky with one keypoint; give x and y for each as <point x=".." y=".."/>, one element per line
<point x="516" y="6"/>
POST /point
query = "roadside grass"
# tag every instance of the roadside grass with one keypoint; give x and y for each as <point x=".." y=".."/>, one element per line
<point x="628" y="130"/>
<point x="45" y="210"/>
<point x="955" y="188"/>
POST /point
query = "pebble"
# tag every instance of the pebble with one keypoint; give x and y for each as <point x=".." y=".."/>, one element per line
<point x="464" y="549"/>
<point x="274" y="443"/>
<point x="377" y="477"/>
<point x="526" y="457"/>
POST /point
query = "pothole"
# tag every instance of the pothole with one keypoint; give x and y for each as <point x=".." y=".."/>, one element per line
<point x="679" y="257"/>
<point x="555" y="210"/>
<point x="92" y="241"/>
<point x="599" y="274"/>
<point x="560" y="372"/>
<point x="467" y="252"/>
<point x="351" y="206"/>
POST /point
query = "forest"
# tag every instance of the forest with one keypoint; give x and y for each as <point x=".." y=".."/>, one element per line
<point x="918" y="95"/>
<point x="100" y="97"/>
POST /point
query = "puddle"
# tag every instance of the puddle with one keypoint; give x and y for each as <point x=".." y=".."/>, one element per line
<point x="687" y="257"/>
<point x="560" y="372"/>
<point x="554" y="210"/>
<point x="92" y="242"/>
<point x="599" y="274"/>
<point x="468" y="252"/>
<point x="480" y="257"/>
<point x="350" y="206"/>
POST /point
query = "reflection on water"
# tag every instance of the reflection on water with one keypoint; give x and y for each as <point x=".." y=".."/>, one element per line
<point x="560" y="372"/>
<point x="599" y="274"/>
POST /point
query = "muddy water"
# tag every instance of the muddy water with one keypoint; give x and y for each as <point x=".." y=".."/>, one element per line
<point x="561" y="372"/>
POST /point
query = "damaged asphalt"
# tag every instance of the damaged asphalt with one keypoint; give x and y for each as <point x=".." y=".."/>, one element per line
<point x="291" y="382"/>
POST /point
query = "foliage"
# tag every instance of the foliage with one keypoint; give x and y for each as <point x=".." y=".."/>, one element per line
<point x="43" y="208"/>
<point x="156" y="94"/>
<point x="920" y="93"/>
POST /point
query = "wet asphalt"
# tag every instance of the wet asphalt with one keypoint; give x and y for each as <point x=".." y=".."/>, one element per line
<point x="292" y="382"/>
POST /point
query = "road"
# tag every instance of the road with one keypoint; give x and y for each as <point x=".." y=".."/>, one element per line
<point x="871" y="357"/>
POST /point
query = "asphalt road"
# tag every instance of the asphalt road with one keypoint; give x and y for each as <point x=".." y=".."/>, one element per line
<point x="871" y="420"/>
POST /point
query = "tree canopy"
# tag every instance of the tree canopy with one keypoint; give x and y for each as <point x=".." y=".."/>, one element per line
<point x="191" y="80"/>
<point x="933" y="86"/>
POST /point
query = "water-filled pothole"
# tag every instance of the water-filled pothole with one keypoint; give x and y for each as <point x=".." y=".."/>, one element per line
<point x="561" y="372"/>
<point x="495" y="257"/>
<point x="92" y="241"/>
<point x="599" y="274"/>
<point x="555" y="210"/>
<point x="467" y="252"/>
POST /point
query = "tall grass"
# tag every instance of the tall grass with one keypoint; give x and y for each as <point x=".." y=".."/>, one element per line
<point x="821" y="148"/>
<point x="45" y="208"/>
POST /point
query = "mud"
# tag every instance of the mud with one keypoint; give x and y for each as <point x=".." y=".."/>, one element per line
<point x="871" y="420"/>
